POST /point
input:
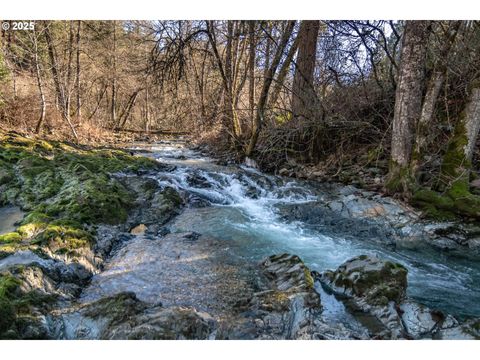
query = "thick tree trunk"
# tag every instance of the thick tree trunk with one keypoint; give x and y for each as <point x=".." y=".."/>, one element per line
<point x="303" y="98"/>
<point x="425" y="120"/>
<point x="408" y="105"/>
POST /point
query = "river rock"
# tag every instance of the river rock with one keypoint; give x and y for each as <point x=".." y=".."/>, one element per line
<point x="370" y="278"/>
<point x="153" y="204"/>
<point x="374" y="286"/>
<point x="421" y="322"/>
<point x="139" y="230"/>
<point x="283" y="172"/>
<point x="123" y="316"/>
<point x="470" y="330"/>
<point x="287" y="305"/>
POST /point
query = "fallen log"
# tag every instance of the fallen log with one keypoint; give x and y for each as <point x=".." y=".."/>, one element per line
<point x="153" y="132"/>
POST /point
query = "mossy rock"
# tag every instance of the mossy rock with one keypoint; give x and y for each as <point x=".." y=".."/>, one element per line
<point x="11" y="237"/>
<point x="116" y="308"/>
<point x="371" y="278"/>
<point x="16" y="309"/>
<point x="64" y="187"/>
<point x="455" y="203"/>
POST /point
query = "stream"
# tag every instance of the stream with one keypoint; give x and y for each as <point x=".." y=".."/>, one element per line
<point x="240" y="206"/>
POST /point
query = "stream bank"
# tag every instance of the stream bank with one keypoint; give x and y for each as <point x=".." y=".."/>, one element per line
<point x="192" y="257"/>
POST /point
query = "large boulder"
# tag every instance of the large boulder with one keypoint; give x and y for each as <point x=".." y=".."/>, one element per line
<point x="375" y="281"/>
<point x="153" y="205"/>
<point x="286" y="307"/>
<point x="375" y="287"/>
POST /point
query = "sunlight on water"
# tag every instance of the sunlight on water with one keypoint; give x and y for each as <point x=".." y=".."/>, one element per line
<point x="243" y="212"/>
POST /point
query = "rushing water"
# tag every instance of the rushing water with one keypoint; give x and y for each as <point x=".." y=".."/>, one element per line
<point x="241" y="207"/>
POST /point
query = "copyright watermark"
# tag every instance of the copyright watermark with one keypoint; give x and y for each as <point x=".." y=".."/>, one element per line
<point x="18" y="25"/>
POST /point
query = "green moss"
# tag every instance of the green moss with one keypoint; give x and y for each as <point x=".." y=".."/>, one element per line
<point x="5" y="176"/>
<point x="400" y="180"/>
<point x="63" y="187"/>
<point x="456" y="202"/>
<point x="454" y="162"/>
<point x="64" y="237"/>
<point x="10" y="237"/>
<point x="276" y="300"/>
<point x="36" y="217"/>
<point x="16" y="306"/>
<point x="116" y="308"/>
<point x="308" y="278"/>
<point x="8" y="284"/>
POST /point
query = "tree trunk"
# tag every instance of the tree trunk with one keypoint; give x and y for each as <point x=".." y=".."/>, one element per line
<point x="282" y="74"/>
<point x="433" y="90"/>
<point x="41" y="92"/>
<point x="457" y="160"/>
<point x="56" y="79"/>
<point x="251" y="70"/>
<point x="259" y="118"/>
<point x="408" y="105"/>
<point x="69" y="71"/>
<point x="77" y="85"/>
<point x="122" y="120"/>
<point x="147" y="107"/>
<point x="113" y="110"/>
<point x="303" y="99"/>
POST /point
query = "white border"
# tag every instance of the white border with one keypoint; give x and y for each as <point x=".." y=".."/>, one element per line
<point x="244" y="350"/>
<point x="238" y="9"/>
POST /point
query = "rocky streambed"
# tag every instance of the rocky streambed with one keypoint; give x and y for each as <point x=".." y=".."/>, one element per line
<point x="180" y="247"/>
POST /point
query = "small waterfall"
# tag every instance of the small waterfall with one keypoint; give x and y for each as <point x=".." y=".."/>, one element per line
<point x="245" y="208"/>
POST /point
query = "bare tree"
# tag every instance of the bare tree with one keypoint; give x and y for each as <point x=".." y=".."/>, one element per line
<point x="267" y="82"/>
<point x="113" y="111"/>
<point x="77" y="80"/>
<point x="41" y="90"/>
<point x="60" y="90"/>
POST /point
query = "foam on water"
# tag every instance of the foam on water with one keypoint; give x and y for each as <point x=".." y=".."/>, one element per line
<point x="244" y="212"/>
